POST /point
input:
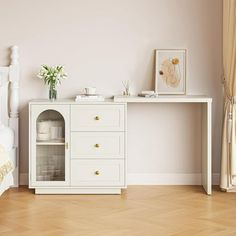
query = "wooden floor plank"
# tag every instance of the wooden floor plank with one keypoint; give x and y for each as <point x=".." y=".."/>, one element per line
<point x="140" y="210"/>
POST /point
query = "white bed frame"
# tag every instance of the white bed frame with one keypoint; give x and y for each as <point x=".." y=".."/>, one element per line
<point x="9" y="104"/>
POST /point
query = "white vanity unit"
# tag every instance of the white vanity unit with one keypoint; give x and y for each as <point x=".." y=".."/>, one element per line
<point x="77" y="148"/>
<point x="80" y="147"/>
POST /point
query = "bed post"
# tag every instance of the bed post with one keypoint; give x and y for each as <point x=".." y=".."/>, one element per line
<point x="14" y="106"/>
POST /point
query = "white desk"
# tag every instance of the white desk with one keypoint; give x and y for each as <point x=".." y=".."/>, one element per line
<point x="206" y="105"/>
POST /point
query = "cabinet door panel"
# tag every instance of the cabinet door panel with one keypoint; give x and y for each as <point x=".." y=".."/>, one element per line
<point x="49" y="155"/>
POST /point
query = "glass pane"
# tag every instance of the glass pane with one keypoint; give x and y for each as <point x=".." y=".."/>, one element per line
<point x="50" y="149"/>
<point x="50" y="163"/>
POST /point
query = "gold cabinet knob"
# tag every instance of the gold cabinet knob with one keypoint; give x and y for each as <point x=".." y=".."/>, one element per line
<point x="97" y="172"/>
<point x="97" y="145"/>
<point x="97" y="118"/>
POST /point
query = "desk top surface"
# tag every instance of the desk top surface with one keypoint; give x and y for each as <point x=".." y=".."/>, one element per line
<point x="134" y="99"/>
<point x="165" y="99"/>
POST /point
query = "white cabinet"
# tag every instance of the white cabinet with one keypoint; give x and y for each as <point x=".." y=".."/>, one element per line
<point x="77" y="147"/>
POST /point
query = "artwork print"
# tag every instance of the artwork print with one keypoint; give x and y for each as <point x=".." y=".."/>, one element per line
<point x="170" y="71"/>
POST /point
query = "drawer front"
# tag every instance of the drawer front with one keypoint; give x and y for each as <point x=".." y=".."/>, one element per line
<point x="97" y="117"/>
<point x="97" y="145"/>
<point x="97" y="173"/>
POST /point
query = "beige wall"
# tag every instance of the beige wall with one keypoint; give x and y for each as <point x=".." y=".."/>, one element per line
<point x="101" y="43"/>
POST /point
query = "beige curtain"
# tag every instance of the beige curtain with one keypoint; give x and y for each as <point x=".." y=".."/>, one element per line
<point x="228" y="159"/>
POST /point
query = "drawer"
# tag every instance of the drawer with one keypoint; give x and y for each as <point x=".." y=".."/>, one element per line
<point x="97" y="117"/>
<point x="97" y="144"/>
<point x="97" y="173"/>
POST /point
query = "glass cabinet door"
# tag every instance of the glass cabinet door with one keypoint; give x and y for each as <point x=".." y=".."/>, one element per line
<point x="50" y="154"/>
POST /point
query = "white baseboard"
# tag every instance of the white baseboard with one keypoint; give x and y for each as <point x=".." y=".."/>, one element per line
<point x="155" y="179"/>
<point x="24" y="179"/>
<point x="216" y="179"/>
<point x="168" y="179"/>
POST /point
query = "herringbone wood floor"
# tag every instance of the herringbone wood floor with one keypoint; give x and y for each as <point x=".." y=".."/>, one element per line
<point x="141" y="211"/>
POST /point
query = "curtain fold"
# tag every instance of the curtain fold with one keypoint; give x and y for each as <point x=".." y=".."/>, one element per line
<point x="228" y="158"/>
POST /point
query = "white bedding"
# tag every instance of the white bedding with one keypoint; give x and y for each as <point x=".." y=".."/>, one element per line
<point x="7" y="162"/>
<point x="6" y="183"/>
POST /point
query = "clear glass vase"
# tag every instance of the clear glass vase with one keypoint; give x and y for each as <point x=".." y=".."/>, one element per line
<point x="52" y="93"/>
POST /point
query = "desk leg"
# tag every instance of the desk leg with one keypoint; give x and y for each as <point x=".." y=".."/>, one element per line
<point x="206" y="148"/>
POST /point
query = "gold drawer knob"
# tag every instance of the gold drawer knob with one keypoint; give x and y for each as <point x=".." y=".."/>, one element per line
<point x="97" y="145"/>
<point x="97" y="172"/>
<point x="97" y="118"/>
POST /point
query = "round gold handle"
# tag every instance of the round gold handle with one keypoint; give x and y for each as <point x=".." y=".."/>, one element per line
<point x="97" y="145"/>
<point x="97" y="172"/>
<point x="97" y="118"/>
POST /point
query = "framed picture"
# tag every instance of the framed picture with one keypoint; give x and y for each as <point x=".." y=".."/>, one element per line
<point x="170" y="71"/>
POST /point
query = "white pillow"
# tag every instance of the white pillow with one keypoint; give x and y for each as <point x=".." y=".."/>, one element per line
<point x="6" y="137"/>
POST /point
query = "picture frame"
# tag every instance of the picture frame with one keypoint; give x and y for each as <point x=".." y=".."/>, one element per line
<point x="170" y="71"/>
